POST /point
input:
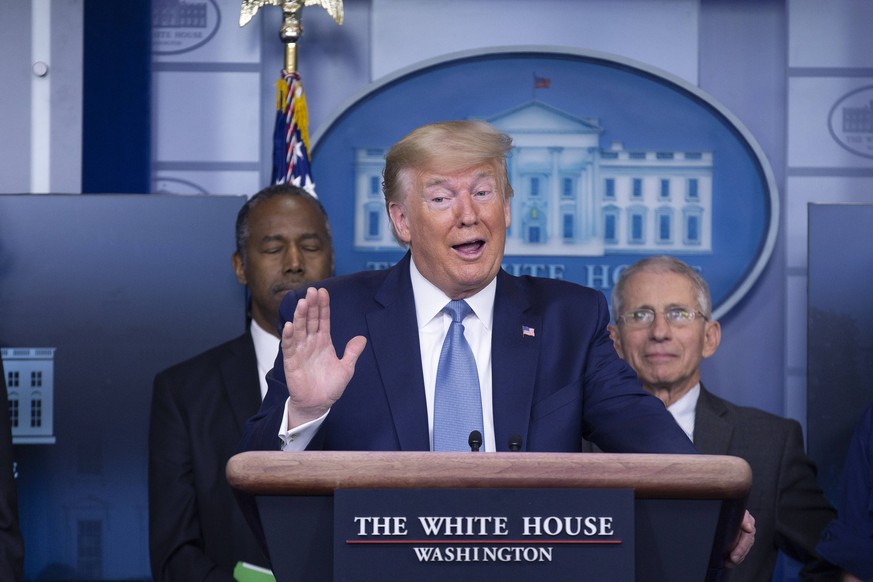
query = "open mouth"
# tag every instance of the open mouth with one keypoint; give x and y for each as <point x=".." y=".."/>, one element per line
<point x="469" y="248"/>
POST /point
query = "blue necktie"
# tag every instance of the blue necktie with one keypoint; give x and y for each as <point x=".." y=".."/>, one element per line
<point x="457" y="400"/>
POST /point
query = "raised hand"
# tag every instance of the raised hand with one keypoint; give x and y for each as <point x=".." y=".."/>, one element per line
<point x="315" y="376"/>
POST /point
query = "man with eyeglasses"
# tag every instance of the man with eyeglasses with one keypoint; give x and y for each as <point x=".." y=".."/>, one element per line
<point x="662" y="327"/>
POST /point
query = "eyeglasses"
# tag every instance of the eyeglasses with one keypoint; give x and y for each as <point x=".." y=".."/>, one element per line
<point x="675" y="317"/>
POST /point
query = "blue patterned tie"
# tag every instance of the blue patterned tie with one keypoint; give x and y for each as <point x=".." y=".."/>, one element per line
<point x="457" y="400"/>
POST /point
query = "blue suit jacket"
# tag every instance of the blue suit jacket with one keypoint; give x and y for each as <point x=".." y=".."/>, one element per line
<point x="563" y="383"/>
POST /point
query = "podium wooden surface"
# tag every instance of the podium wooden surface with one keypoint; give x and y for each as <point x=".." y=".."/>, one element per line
<point x="662" y="484"/>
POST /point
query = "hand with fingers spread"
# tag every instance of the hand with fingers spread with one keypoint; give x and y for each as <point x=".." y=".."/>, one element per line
<point x="316" y="377"/>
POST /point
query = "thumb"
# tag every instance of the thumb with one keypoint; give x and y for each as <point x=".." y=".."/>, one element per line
<point x="354" y="349"/>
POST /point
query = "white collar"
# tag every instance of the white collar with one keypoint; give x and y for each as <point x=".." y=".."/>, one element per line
<point x="430" y="300"/>
<point x="684" y="410"/>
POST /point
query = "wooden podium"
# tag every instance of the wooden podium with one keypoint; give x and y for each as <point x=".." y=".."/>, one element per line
<point x="687" y="508"/>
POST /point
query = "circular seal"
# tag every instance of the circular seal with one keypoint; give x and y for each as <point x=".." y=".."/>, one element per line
<point x="850" y="121"/>
<point x="612" y="160"/>
<point x="179" y="26"/>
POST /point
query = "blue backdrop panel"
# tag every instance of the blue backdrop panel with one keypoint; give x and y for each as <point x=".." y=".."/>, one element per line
<point x="116" y="96"/>
<point x="840" y="335"/>
<point x="122" y="287"/>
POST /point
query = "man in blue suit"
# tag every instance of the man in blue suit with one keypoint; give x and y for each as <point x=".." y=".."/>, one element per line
<point x="546" y="368"/>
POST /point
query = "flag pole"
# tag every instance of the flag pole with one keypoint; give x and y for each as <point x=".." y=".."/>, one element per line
<point x="290" y="33"/>
<point x="291" y="162"/>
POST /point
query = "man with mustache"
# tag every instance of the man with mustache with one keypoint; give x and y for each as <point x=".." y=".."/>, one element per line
<point x="199" y="407"/>
<point x="544" y="369"/>
<point x="661" y="309"/>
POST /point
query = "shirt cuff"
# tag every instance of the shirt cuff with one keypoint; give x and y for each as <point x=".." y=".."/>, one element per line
<point x="298" y="438"/>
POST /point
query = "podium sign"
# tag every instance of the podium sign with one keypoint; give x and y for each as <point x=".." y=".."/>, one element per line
<point x="685" y="515"/>
<point x="479" y="534"/>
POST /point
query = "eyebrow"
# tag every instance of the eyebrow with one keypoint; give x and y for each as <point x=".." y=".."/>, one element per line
<point x="435" y="182"/>
<point x="439" y="180"/>
<point x="272" y="237"/>
<point x="666" y="307"/>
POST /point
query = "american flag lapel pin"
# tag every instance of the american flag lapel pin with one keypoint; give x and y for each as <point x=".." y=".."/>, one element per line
<point x="528" y="331"/>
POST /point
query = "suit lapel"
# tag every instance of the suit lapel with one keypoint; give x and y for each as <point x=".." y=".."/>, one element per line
<point x="514" y="357"/>
<point x="712" y="430"/>
<point x="398" y="357"/>
<point x="239" y="377"/>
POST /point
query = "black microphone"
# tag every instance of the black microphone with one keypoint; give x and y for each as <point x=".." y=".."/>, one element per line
<point x="515" y="443"/>
<point x="475" y="441"/>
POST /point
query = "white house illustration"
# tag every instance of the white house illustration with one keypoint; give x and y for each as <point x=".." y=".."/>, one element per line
<point x="30" y="386"/>
<point x="573" y="197"/>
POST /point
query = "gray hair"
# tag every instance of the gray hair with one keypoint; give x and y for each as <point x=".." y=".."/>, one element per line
<point x="663" y="264"/>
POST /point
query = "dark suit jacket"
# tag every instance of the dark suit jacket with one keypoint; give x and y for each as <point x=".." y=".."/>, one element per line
<point x="789" y="507"/>
<point x="553" y="388"/>
<point x="199" y="407"/>
<point x="11" y="544"/>
<point x="848" y="540"/>
<point x="786" y="501"/>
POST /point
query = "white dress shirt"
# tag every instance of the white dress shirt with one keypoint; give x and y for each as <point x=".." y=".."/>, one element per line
<point x="684" y="410"/>
<point x="433" y="325"/>
<point x="266" y="346"/>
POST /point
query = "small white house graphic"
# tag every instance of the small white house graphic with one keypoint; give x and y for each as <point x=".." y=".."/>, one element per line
<point x="30" y="386"/>
<point x="858" y="119"/>
<point x="178" y="14"/>
<point x="572" y="196"/>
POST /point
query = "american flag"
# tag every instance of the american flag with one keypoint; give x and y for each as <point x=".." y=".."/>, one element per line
<point x="291" y="135"/>
<point x="541" y="82"/>
<point x="528" y="331"/>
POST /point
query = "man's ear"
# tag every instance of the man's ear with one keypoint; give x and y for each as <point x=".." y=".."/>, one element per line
<point x="615" y="336"/>
<point x="238" y="268"/>
<point x="400" y="220"/>
<point x="711" y="338"/>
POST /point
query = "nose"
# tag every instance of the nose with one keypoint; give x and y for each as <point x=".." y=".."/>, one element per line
<point x="465" y="210"/>
<point x="660" y="328"/>
<point x="293" y="260"/>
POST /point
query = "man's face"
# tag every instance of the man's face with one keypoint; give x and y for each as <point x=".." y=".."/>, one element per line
<point x="665" y="356"/>
<point x="455" y="225"/>
<point x="288" y="248"/>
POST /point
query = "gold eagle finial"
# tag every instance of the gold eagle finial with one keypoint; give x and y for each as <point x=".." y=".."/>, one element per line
<point x="291" y="25"/>
<point x="250" y="7"/>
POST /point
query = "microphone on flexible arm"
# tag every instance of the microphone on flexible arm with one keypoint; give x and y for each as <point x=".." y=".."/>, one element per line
<point x="475" y="441"/>
<point x="515" y="443"/>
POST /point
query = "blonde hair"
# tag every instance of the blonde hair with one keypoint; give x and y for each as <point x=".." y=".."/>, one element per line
<point x="449" y="146"/>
